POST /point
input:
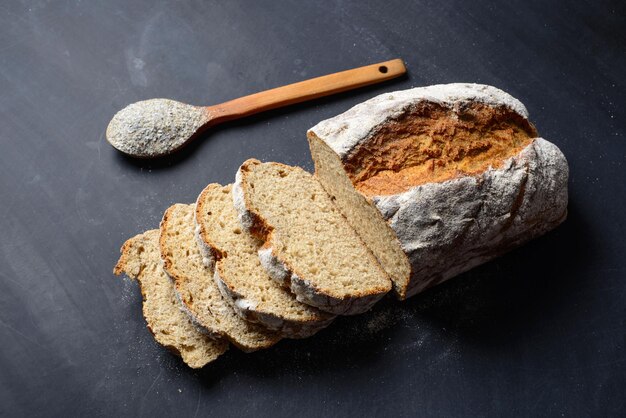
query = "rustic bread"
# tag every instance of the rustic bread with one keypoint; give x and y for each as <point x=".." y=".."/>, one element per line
<point x="439" y="179"/>
<point x="238" y="271"/>
<point x="309" y="246"/>
<point x="170" y="326"/>
<point x="194" y="284"/>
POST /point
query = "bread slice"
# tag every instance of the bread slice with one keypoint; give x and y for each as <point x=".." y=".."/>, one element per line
<point x="309" y="246"/>
<point x="193" y="281"/>
<point x="439" y="179"/>
<point x="170" y="326"/>
<point x="240" y="275"/>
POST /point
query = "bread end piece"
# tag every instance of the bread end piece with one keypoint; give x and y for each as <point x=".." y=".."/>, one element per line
<point x="169" y="325"/>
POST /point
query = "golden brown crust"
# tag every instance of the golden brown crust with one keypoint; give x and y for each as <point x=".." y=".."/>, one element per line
<point x="433" y="143"/>
<point x="257" y="225"/>
<point x="167" y="261"/>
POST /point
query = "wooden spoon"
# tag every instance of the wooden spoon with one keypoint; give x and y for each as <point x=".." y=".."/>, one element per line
<point x="157" y="127"/>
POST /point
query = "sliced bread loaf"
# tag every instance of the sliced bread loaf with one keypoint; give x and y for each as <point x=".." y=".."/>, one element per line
<point x="309" y="246"/>
<point x="196" y="288"/>
<point x="170" y="326"/>
<point x="240" y="275"/>
<point x="439" y="179"/>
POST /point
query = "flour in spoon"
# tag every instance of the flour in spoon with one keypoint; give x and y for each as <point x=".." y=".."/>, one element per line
<point x="155" y="127"/>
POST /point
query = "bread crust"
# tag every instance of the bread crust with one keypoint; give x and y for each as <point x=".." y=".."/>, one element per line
<point x="450" y="226"/>
<point x="343" y="133"/>
<point x="490" y="214"/>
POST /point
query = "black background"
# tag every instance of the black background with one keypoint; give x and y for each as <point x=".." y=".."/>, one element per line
<point x="540" y="331"/>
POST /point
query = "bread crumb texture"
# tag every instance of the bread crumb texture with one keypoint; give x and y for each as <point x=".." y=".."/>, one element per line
<point x="171" y="327"/>
<point x="330" y="266"/>
<point x="196" y="286"/>
<point x="253" y="293"/>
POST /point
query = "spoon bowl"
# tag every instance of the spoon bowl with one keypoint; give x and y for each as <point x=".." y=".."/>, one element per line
<point x="155" y="127"/>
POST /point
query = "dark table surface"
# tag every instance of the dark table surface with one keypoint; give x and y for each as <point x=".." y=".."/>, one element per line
<point x="540" y="331"/>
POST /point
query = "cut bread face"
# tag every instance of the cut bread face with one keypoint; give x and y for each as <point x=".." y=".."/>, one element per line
<point x="439" y="179"/>
<point x="171" y="327"/>
<point x="309" y="246"/>
<point x="366" y="220"/>
<point x="240" y="275"/>
<point x="193" y="281"/>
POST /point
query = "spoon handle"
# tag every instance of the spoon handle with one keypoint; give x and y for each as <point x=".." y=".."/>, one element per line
<point x="305" y="90"/>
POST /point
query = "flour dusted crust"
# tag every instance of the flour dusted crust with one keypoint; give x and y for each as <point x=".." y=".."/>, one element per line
<point x="246" y="308"/>
<point x="448" y="227"/>
<point x="345" y="132"/>
<point x="274" y="267"/>
<point x="246" y="218"/>
<point x="305" y="292"/>
<point x="207" y="252"/>
<point x="183" y="307"/>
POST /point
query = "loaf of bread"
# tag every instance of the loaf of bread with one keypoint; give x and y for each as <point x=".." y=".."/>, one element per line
<point x="410" y="188"/>
<point x="171" y="327"/>
<point x="239" y="274"/>
<point x="439" y="179"/>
